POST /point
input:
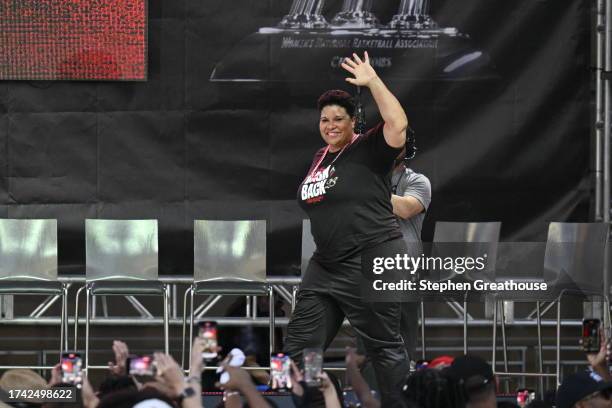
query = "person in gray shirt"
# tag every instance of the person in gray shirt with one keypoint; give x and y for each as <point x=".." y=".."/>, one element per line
<point x="410" y="199"/>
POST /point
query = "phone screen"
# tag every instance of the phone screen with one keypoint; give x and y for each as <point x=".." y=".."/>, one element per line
<point x="142" y="366"/>
<point x="208" y="332"/>
<point x="280" y="368"/>
<point x="72" y="372"/>
<point x="313" y="364"/>
<point x="590" y="335"/>
<point x="524" y="396"/>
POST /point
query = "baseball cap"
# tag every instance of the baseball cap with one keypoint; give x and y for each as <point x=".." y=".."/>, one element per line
<point x="471" y="372"/>
<point x="441" y="362"/>
<point x="579" y="385"/>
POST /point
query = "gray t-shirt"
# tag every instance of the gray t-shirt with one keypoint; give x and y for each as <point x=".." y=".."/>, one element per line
<point x="412" y="184"/>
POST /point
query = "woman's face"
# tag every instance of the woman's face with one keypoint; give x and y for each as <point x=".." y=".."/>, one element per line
<point x="336" y="127"/>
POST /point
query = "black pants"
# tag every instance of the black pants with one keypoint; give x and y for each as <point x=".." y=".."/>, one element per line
<point x="329" y="293"/>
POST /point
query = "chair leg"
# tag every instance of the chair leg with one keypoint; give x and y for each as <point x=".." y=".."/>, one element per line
<point x="184" y="337"/>
<point x="540" y="357"/>
<point x="558" y="376"/>
<point x="76" y="316"/>
<point x="503" y="327"/>
<point x="191" y="295"/>
<point x="66" y="326"/>
<point x="465" y="326"/>
<point x="166" y="326"/>
<point x="423" y="351"/>
<point x="63" y="318"/>
<point x="271" y="317"/>
<point x="61" y="347"/>
<point x="87" y="313"/>
<point x="494" y="346"/>
<point x="608" y="312"/>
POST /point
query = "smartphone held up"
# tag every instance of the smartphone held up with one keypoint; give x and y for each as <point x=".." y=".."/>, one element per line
<point x="72" y="369"/>
<point x="280" y="371"/>
<point x="208" y="332"/>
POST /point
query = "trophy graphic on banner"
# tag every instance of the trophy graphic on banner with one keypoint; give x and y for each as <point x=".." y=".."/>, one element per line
<point x="304" y="14"/>
<point x="413" y="15"/>
<point x="410" y="47"/>
<point x="355" y="14"/>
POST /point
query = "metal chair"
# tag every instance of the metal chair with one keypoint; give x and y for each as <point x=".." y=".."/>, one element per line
<point x="121" y="260"/>
<point x="229" y="259"/>
<point x="573" y="264"/>
<point x="28" y="266"/>
<point x="462" y="239"/>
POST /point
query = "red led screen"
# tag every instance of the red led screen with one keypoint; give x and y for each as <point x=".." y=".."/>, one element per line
<point x="73" y="39"/>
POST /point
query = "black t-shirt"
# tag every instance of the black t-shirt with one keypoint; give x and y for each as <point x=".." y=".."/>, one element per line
<point x="348" y="197"/>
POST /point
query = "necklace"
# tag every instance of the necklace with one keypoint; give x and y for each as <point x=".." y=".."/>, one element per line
<point x="316" y="167"/>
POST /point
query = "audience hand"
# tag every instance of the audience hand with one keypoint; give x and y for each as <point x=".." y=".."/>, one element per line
<point x="239" y="379"/>
<point x="56" y="375"/>
<point x="90" y="399"/>
<point x="326" y="383"/>
<point x="353" y="359"/>
<point x="329" y="391"/>
<point x="197" y="362"/>
<point x="121" y="355"/>
<point x="170" y="374"/>
<point x="296" y="377"/>
<point x="599" y="361"/>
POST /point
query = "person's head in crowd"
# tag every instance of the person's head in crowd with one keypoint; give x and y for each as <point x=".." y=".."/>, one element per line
<point x="63" y="404"/>
<point x="429" y="388"/>
<point x="584" y="390"/>
<point x="23" y="379"/>
<point x="128" y="398"/>
<point x="507" y="404"/>
<point x="475" y="378"/>
<point x="115" y="383"/>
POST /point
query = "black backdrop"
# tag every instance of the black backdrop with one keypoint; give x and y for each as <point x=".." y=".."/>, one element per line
<point x="180" y="147"/>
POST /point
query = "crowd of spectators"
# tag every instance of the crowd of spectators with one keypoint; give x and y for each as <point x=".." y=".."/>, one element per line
<point x="445" y="382"/>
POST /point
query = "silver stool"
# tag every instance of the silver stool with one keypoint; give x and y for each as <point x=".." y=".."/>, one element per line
<point x="121" y="260"/>
<point x="28" y="266"/>
<point x="229" y="259"/>
<point x="463" y="239"/>
<point x="573" y="265"/>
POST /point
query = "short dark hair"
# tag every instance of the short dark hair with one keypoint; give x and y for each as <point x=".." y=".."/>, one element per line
<point x="127" y="398"/>
<point x="432" y="388"/>
<point x="337" y="97"/>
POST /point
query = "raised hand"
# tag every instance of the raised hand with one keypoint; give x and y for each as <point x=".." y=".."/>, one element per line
<point x="169" y="373"/>
<point x="56" y="375"/>
<point x="118" y="367"/>
<point x="90" y="400"/>
<point x="296" y="377"/>
<point x="362" y="71"/>
<point x="353" y="359"/>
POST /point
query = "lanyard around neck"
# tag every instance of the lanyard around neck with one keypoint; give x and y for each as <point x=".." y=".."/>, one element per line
<point x="315" y="168"/>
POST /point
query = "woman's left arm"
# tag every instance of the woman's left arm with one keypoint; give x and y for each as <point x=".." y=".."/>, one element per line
<point x="389" y="107"/>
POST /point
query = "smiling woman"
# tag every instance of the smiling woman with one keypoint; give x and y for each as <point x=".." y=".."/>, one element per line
<point x="347" y="195"/>
<point x="337" y="121"/>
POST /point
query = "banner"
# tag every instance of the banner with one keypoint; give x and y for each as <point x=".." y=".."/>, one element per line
<point x="497" y="92"/>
